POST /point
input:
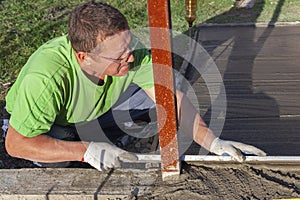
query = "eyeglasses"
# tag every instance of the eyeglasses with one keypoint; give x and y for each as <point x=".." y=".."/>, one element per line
<point x="120" y="61"/>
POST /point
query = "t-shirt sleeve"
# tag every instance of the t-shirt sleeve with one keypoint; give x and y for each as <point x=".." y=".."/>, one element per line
<point x="144" y="71"/>
<point x="36" y="106"/>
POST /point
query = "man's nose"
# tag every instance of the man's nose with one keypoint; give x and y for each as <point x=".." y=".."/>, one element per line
<point x="130" y="58"/>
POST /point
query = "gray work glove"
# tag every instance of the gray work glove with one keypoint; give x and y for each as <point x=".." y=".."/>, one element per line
<point x="234" y="149"/>
<point x="103" y="156"/>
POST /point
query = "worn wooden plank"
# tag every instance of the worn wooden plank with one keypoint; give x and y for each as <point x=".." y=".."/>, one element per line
<point x="261" y="73"/>
<point x="249" y="43"/>
<point x="277" y="136"/>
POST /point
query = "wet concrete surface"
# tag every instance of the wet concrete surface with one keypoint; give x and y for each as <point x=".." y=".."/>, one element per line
<point x="197" y="181"/>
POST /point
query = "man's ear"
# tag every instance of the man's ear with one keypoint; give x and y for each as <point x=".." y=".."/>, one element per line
<point x="81" y="56"/>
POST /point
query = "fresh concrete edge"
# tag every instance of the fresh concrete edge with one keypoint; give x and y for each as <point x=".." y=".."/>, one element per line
<point x="273" y="159"/>
<point x="213" y="158"/>
<point x="75" y="183"/>
<point x="254" y="24"/>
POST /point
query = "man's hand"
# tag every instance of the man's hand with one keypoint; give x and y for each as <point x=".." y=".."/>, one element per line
<point x="234" y="149"/>
<point x="104" y="156"/>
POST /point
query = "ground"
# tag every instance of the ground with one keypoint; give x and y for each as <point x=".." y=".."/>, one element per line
<point x="197" y="181"/>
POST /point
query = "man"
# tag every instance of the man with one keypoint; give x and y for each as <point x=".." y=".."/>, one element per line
<point x="78" y="78"/>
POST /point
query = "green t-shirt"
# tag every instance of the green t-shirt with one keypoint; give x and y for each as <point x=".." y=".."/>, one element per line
<point x="52" y="89"/>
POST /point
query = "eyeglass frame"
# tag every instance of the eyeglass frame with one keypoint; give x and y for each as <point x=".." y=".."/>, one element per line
<point x="125" y="59"/>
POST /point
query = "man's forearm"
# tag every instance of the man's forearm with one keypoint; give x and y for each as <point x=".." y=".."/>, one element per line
<point x="202" y="134"/>
<point x="192" y="123"/>
<point x="43" y="148"/>
<point x="190" y="120"/>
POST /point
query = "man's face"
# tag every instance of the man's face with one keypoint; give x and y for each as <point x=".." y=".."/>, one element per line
<point x="111" y="57"/>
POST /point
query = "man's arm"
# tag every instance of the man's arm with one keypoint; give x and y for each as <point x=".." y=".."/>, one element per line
<point x="191" y="123"/>
<point x="43" y="148"/>
<point x="189" y="117"/>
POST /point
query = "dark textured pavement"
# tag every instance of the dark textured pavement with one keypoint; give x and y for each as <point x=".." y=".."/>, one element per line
<point x="260" y="68"/>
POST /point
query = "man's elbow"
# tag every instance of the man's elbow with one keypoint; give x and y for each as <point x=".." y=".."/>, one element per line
<point x="12" y="143"/>
<point x="11" y="149"/>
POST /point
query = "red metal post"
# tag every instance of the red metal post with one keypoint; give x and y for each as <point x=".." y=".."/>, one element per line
<point x="160" y="37"/>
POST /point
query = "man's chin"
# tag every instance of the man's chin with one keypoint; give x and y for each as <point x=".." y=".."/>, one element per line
<point x="122" y="72"/>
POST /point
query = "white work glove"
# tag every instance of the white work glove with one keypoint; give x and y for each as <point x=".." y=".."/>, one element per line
<point x="103" y="156"/>
<point x="234" y="149"/>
